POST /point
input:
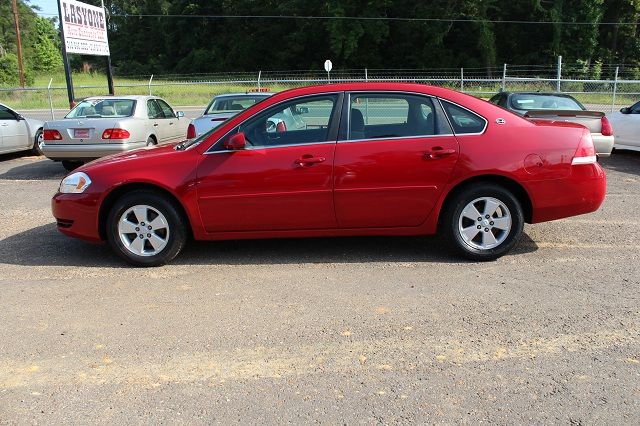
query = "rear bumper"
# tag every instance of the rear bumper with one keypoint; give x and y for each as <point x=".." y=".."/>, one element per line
<point x="582" y="192"/>
<point x="87" y="151"/>
<point x="77" y="215"/>
<point x="603" y="144"/>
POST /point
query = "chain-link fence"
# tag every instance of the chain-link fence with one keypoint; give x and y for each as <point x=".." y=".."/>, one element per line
<point x="194" y="91"/>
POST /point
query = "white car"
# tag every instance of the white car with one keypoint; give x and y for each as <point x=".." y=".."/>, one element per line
<point x="18" y="133"/>
<point x="626" y="127"/>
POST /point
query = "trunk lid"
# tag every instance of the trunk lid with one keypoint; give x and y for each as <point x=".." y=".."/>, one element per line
<point x="592" y="120"/>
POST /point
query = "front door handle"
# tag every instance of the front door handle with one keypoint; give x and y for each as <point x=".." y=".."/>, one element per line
<point x="155" y="124"/>
<point x="308" y="160"/>
<point x="438" y="152"/>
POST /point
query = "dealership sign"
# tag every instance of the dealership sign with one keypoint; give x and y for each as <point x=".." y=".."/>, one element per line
<point x="84" y="27"/>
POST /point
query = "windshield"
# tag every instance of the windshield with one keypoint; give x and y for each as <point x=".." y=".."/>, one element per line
<point x="103" y="108"/>
<point x="233" y="104"/>
<point x="533" y="101"/>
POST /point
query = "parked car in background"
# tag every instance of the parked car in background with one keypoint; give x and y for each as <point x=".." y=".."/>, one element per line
<point x="221" y="108"/>
<point x="100" y="126"/>
<point x="18" y="133"/>
<point x="626" y="127"/>
<point x="372" y="159"/>
<point x="559" y="107"/>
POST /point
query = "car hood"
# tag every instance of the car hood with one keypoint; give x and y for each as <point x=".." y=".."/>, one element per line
<point x="140" y="154"/>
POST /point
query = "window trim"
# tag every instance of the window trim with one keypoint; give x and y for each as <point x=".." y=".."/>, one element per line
<point x="334" y="124"/>
<point x="344" y="138"/>
<point x="486" y="122"/>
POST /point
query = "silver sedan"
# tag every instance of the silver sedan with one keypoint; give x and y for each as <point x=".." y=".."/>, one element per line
<point x="100" y="126"/>
<point x="18" y="133"/>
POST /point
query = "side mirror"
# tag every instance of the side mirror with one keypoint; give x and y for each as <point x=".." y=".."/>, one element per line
<point x="236" y="142"/>
<point x="624" y="110"/>
<point x="179" y="114"/>
<point x="302" y="110"/>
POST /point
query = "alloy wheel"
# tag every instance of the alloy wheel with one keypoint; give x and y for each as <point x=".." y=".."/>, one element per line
<point x="143" y="230"/>
<point x="484" y="223"/>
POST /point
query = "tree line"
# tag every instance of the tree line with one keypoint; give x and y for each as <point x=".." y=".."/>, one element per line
<point x="187" y="36"/>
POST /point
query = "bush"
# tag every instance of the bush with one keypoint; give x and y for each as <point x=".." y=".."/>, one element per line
<point x="9" y="74"/>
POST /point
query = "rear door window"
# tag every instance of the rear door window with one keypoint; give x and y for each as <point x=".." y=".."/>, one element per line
<point x="153" y="109"/>
<point x="390" y="115"/>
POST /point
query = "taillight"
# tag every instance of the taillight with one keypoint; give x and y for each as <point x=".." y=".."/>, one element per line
<point x="115" y="134"/>
<point x="586" y="152"/>
<point x="191" y="131"/>
<point x="52" y="135"/>
<point x="607" y="130"/>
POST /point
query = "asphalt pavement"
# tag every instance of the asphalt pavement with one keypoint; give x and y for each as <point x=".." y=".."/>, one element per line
<point x="345" y="330"/>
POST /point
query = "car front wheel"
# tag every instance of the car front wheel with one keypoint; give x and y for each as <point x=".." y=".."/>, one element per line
<point x="146" y="229"/>
<point x="483" y="222"/>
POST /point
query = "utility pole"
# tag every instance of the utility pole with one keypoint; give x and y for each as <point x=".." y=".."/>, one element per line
<point x="18" y="42"/>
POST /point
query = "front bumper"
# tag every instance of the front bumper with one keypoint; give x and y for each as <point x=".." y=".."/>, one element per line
<point x="581" y="192"/>
<point x="603" y="144"/>
<point x="87" y="151"/>
<point x="77" y="215"/>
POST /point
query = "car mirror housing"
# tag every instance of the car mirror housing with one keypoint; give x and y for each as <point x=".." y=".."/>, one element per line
<point x="624" y="110"/>
<point x="179" y="114"/>
<point x="236" y="142"/>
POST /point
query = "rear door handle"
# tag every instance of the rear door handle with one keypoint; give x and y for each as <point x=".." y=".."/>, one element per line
<point x="155" y="124"/>
<point x="438" y="152"/>
<point x="308" y="159"/>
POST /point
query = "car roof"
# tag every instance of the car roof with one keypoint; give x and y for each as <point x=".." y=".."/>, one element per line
<point x="126" y="97"/>
<point x="245" y="95"/>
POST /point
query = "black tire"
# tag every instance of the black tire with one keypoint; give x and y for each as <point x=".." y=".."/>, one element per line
<point x="71" y="165"/>
<point x="177" y="229"/>
<point x="36" y="150"/>
<point x="151" y="141"/>
<point x="450" y="225"/>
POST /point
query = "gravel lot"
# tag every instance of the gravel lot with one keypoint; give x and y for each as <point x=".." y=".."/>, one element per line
<point x="356" y="330"/>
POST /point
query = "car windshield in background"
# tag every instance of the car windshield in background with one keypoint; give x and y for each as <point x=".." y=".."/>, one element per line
<point x="532" y="101"/>
<point x="228" y="104"/>
<point x="103" y="108"/>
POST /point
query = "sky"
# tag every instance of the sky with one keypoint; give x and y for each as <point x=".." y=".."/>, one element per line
<point x="49" y="7"/>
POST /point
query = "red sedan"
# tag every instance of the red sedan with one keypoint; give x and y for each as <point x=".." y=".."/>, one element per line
<point x="340" y="160"/>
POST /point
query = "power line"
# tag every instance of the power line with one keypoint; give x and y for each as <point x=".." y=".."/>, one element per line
<point x="366" y="18"/>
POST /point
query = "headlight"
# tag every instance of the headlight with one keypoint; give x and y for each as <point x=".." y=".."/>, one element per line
<point x="75" y="183"/>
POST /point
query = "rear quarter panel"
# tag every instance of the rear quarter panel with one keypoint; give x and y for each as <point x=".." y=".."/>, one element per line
<point x="519" y="149"/>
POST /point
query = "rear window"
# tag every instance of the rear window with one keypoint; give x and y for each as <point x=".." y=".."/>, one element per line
<point x="234" y="104"/>
<point x="103" y="108"/>
<point x="463" y="120"/>
<point x="531" y="101"/>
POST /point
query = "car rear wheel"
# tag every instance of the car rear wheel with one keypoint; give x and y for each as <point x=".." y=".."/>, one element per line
<point x="483" y="222"/>
<point x="146" y="229"/>
<point x="37" y="143"/>
<point x="71" y="165"/>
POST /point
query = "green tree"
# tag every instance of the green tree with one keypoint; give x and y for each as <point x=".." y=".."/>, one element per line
<point x="47" y="54"/>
